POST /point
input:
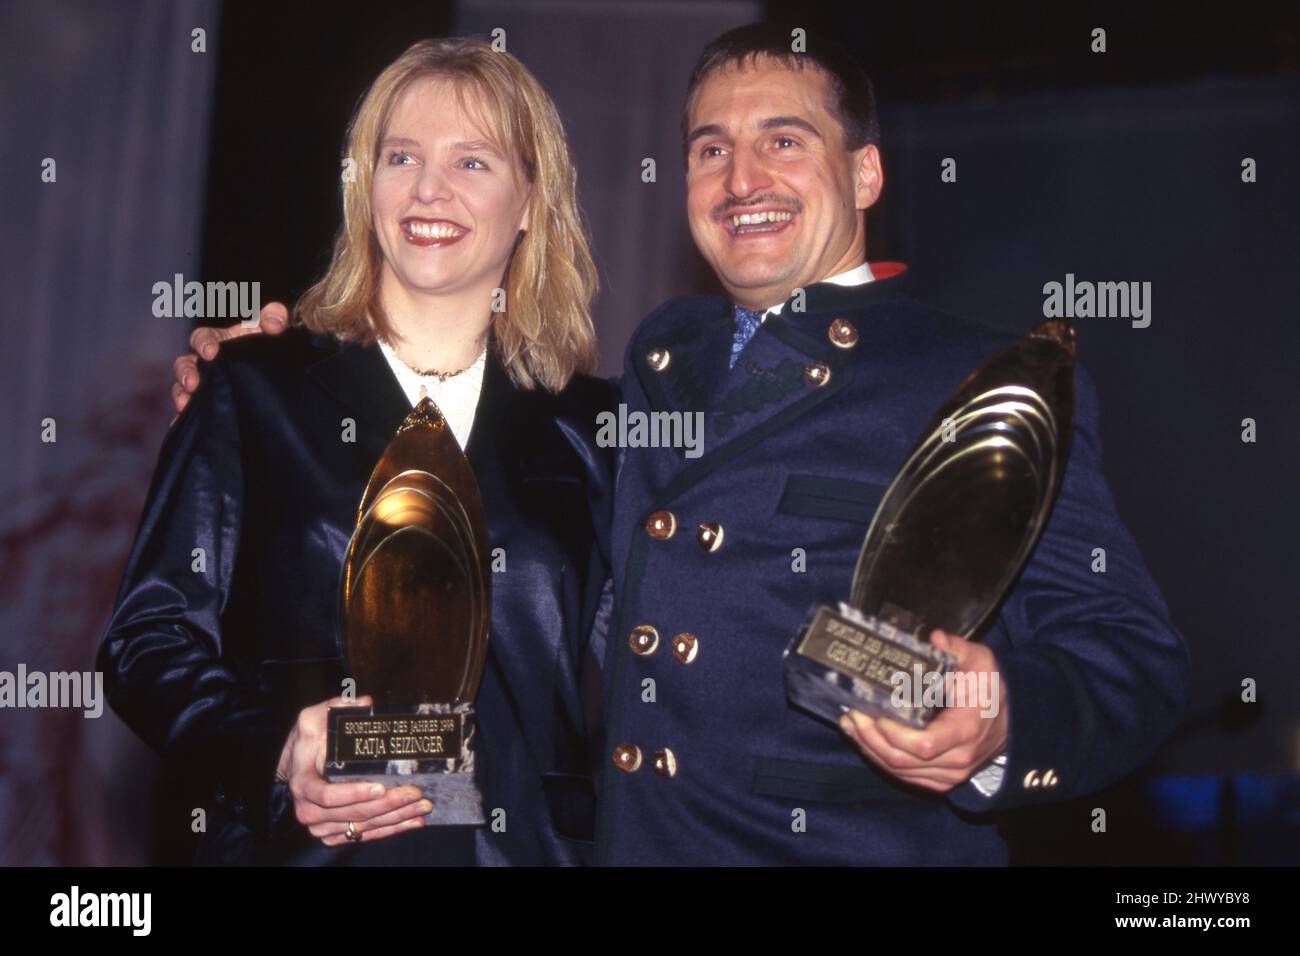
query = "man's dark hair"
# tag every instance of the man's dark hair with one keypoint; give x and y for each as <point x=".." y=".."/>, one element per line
<point x="854" y="98"/>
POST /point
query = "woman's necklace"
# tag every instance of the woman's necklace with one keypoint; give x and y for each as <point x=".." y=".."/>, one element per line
<point x="431" y="372"/>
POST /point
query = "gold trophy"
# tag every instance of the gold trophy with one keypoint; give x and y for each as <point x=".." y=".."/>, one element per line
<point x="414" y="613"/>
<point x="950" y="537"/>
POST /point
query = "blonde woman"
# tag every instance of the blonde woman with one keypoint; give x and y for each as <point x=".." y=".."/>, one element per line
<point x="460" y="271"/>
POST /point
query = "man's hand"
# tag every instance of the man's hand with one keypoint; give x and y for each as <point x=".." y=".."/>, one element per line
<point x="326" y="809"/>
<point x="955" y="745"/>
<point x="205" y="341"/>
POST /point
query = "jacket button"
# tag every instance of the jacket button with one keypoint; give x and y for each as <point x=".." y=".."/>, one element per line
<point x="685" y="647"/>
<point x="710" y="536"/>
<point x="627" y="757"/>
<point x="817" y="374"/>
<point x="1046" y="780"/>
<point x="658" y="359"/>
<point x="665" y="763"/>
<point x="661" y="525"/>
<point x="643" y="640"/>
<point x="842" y="334"/>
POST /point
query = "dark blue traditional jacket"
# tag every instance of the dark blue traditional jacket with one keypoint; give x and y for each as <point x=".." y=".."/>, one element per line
<point x="707" y="762"/>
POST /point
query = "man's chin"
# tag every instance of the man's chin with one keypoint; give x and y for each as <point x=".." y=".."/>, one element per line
<point x="758" y="286"/>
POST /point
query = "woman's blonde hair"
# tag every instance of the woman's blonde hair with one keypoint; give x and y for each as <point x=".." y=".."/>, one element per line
<point x="545" y="334"/>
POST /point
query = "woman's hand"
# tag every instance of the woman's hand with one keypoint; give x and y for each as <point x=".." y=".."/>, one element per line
<point x="325" y="808"/>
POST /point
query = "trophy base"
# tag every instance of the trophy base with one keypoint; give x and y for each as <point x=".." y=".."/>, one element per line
<point x="843" y="660"/>
<point x="455" y="796"/>
<point x="426" y="746"/>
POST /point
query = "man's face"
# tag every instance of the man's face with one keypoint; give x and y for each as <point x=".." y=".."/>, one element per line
<point x="764" y="144"/>
<point x="447" y="204"/>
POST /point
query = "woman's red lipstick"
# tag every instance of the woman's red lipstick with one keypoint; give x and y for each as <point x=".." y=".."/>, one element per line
<point x="432" y="232"/>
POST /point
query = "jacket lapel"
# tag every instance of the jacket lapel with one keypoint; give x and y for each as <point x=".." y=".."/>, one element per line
<point x="501" y="441"/>
<point x="515" y="434"/>
<point x="684" y="367"/>
<point x="359" y="379"/>
<point x="495" y="418"/>
<point x="790" y="367"/>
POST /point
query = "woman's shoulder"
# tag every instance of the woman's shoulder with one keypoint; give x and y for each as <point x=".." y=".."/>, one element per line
<point x="261" y="354"/>
<point x="575" y="411"/>
<point x="259" y="373"/>
<point x="572" y="417"/>
<point x="587" y="395"/>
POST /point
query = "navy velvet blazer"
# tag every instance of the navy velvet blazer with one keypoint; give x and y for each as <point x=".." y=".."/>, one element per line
<point x="792" y="468"/>
<point x="211" y="666"/>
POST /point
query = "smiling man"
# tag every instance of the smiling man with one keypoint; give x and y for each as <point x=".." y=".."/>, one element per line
<point x="814" y="375"/>
<point x="778" y="174"/>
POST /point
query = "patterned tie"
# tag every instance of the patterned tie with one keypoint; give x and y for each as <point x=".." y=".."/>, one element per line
<point x="747" y="324"/>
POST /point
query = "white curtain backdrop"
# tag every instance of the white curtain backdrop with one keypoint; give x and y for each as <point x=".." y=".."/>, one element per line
<point x="113" y="93"/>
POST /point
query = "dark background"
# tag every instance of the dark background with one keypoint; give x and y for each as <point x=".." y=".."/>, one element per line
<point x="1122" y="166"/>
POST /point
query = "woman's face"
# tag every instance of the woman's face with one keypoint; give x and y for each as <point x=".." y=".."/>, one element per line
<point x="447" y="205"/>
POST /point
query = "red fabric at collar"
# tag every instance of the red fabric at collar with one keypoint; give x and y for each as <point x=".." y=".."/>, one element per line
<point x="887" y="270"/>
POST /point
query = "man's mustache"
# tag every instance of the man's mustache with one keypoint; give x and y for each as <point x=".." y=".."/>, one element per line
<point x="725" y="209"/>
